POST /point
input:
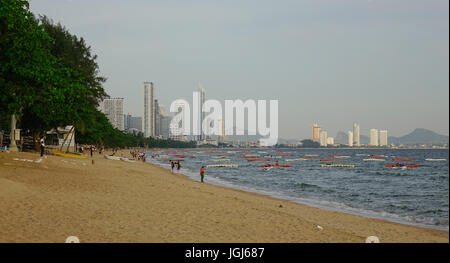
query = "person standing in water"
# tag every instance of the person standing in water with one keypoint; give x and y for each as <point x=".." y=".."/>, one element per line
<point x="178" y="166"/>
<point x="202" y="173"/>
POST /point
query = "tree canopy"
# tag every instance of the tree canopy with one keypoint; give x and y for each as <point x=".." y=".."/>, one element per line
<point x="50" y="78"/>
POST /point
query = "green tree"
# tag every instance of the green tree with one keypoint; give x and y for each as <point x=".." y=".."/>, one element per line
<point x="26" y="66"/>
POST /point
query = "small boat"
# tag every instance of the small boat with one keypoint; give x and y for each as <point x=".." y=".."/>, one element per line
<point x="405" y="160"/>
<point x="274" y="165"/>
<point x="374" y="160"/>
<point x="338" y="165"/>
<point x="258" y="160"/>
<point x="294" y="160"/>
<point x="221" y="160"/>
<point x="408" y="165"/>
<point x="331" y="160"/>
<point x="268" y="168"/>
<point x="435" y="159"/>
<point x="223" y="165"/>
<point x="310" y="156"/>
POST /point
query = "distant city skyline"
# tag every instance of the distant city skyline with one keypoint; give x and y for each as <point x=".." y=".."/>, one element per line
<point x="380" y="63"/>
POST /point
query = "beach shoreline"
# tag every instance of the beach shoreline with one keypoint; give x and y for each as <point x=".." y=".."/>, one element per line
<point x="315" y="203"/>
<point x="117" y="201"/>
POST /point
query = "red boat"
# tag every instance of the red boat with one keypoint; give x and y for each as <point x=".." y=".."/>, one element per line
<point x="397" y="165"/>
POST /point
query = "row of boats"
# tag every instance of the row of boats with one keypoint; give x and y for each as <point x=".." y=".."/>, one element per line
<point x="220" y="159"/>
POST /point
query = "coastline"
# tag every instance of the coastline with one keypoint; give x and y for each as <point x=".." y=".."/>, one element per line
<point x="117" y="201"/>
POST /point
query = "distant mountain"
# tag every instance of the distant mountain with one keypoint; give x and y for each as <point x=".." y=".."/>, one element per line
<point x="420" y="136"/>
<point x="342" y="138"/>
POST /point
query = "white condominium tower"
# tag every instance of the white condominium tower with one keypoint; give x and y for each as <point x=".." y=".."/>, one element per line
<point x="113" y="109"/>
<point x="383" y="138"/>
<point x="350" y="138"/>
<point x="356" y="135"/>
<point x="374" y="137"/>
<point x="323" y="138"/>
<point x="148" y="120"/>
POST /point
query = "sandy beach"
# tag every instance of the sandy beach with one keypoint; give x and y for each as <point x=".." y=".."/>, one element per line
<point x="101" y="200"/>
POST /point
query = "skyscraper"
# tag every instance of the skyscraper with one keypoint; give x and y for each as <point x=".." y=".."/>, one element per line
<point x="148" y="121"/>
<point x="201" y="113"/>
<point x="315" y="132"/>
<point x="383" y="138"/>
<point x="127" y="121"/>
<point x="323" y="138"/>
<point x="136" y="123"/>
<point x="113" y="109"/>
<point x="373" y="137"/>
<point x="356" y="136"/>
<point x="157" y="119"/>
<point x="350" y="138"/>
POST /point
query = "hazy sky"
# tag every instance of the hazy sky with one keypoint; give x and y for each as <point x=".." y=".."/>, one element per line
<point x="382" y="63"/>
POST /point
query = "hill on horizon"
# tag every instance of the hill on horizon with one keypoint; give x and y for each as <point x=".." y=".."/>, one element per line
<point x="417" y="136"/>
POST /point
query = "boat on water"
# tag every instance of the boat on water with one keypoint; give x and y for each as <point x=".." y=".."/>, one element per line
<point x="374" y="160"/>
<point x="400" y="165"/>
<point x="222" y="165"/>
<point x="294" y="160"/>
<point x="436" y="159"/>
<point x="274" y="165"/>
<point x="338" y="165"/>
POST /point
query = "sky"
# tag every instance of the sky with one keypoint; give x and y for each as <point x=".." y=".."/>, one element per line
<point x="381" y="63"/>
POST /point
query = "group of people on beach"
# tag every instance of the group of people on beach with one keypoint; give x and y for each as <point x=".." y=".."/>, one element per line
<point x="177" y="164"/>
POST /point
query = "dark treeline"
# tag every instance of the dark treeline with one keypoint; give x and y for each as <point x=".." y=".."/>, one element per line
<point x="49" y="78"/>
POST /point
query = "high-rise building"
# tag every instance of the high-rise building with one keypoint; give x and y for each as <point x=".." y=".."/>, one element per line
<point x="373" y="137"/>
<point x="136" y="123"/>
<point x="383" y="138"/>
<point x="315" y="132"/>
<point x="323" y="138"/>
<point x="148" y="120"/>
<point x="202" y="91"/>
<point x="157" y="119"/>
<point x="113" y="109"/>
<point x="126" y="121"/>
<point x="176" y="130"/>
<point x="356" y="136"/>
<point x="350" y="138"/>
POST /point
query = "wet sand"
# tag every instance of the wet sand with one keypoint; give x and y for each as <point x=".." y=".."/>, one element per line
<point x="118" y="201"/>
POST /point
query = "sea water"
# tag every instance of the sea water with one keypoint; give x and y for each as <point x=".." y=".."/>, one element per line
<point x="416" y="196"/>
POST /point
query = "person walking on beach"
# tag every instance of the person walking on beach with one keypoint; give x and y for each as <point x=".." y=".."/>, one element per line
<point x="178" y="166"/>
<point x="92" y="150"/>
<point x="42" y="145"/>
<point x="202" y="173"/>
<point x="172" y="164"/>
